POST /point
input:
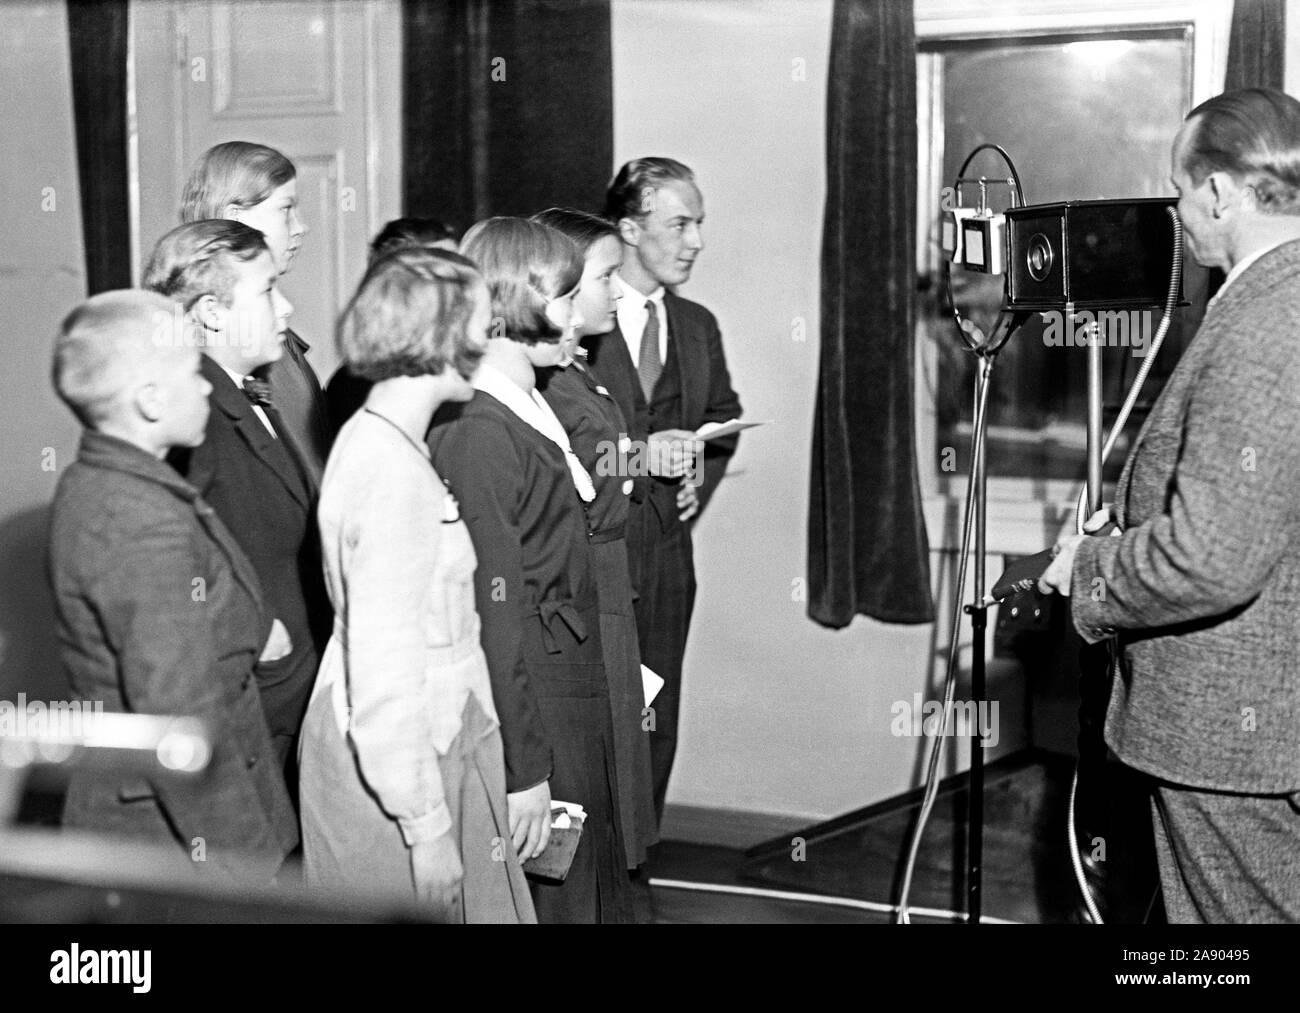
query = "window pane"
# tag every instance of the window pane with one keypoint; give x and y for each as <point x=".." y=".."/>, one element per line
<point x="1084" y="117"/>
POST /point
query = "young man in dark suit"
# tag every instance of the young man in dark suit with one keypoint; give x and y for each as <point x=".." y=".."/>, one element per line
<point x="250" y="467"/>
<point x="1202" y="588"/>
<point x="665" y="366"/>
<point x="158" y="611"/>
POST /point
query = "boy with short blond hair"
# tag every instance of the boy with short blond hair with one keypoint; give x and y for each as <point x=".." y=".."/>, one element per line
<point x="158" y="611"/>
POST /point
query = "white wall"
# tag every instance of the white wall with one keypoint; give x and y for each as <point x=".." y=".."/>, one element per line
<point x="42" y="276"/>
<point x="780" y="716"/>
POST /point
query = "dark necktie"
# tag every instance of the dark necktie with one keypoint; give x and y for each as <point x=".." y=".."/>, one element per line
<point x="650" y="365"/>
<point x="258" y="391"/>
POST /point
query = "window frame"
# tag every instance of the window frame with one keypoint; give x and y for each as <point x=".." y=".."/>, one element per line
<point x="1024" y="515"/>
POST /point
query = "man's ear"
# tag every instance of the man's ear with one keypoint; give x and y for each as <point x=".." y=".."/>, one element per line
<point x="630" y="231"/>
<point x="1224" y="190"/>
<point x="148" y="402"/>
<point x="207" y="313"/>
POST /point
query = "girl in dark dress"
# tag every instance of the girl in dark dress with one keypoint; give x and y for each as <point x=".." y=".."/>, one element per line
<point x="598" y="433"/>
<point x="521" y="491"/>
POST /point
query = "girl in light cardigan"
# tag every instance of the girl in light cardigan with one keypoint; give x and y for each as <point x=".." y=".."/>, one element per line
<point x="403" y="782"/>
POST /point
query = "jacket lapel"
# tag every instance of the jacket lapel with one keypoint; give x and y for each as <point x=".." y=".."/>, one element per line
<point x="274" y="453"/>
<point x="239" y="563"/>
<point x="691" y="365"/>
<point x="613" y="364"/>
<point x="1168" y="408"/>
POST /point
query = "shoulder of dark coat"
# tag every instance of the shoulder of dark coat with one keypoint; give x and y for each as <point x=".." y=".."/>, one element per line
<point x="695" y="314"/>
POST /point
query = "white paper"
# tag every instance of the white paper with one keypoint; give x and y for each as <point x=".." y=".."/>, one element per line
<point x="572" y="811"/>
<point x="651" y="684"/>
<point x="716" y="430"/>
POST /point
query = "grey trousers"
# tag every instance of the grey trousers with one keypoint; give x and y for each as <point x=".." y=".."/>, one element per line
<point x="1227" y="858"/>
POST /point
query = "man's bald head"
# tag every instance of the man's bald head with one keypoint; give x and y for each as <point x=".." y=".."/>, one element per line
<point x="111" y="343"/>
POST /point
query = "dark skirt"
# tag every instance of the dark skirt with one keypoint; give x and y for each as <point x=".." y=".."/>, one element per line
<point x="568" y="679"/>
<point x="626" y="699"/>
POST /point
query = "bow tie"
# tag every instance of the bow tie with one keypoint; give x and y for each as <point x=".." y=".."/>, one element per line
<point x="258" y="391"/>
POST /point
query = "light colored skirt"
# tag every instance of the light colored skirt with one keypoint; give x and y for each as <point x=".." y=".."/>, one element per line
<point x="349" y="842"/>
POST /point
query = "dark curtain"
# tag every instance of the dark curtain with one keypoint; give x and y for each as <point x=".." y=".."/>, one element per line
<point x="867" y="547"/>
<point x="97" y="42"/>
<point x="508" y="107"/>
<point x="1257" y="45"/>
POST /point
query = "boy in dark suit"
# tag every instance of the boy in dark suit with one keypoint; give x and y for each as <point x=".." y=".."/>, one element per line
<point x="665" y="367"/>
<point x="250" y="467"/>
<point x="157" y="609"/>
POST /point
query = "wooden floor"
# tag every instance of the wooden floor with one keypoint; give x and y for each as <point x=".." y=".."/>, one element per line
<point x="860" y="857"/>
<point x="1027" y="877"/>
<point x="705" y="864"/>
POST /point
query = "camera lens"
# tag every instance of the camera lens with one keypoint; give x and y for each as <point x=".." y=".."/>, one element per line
<point x="1038" y="257"/>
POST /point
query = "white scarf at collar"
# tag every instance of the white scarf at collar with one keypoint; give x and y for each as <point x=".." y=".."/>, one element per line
<point x="537" y="413"/>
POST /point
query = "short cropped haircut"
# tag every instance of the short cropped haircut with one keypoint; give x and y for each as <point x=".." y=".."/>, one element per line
<point x="584" y="229"/>
<point x="526" y="265"/>
<point x="237" y="172"/>
<point x="199" y="259"/>
<point x="631" y="192"/>
<point x="411" y="232"/>
<point x="410" y="314"/>
<point x="1252" y="134"/>
<point x="101" y="345"/>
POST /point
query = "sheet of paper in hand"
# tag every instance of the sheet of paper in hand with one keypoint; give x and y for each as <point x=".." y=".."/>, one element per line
<point x="717" y="430"/>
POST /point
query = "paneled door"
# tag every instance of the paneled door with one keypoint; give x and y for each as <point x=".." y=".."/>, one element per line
<point x="319" y="81"/>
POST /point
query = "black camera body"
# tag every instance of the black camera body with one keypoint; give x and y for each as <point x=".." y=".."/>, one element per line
<point x="1090" y="254"/>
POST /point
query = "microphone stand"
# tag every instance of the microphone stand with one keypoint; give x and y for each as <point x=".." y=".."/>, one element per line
<point x="986" y="351"/>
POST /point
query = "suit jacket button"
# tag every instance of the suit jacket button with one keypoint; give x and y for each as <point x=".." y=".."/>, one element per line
<point x="251" y="762"/>
<point x="248" y="677"/>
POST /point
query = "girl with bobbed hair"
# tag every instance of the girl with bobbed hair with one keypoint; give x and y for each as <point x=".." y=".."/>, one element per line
<point x="346" y="391"/>
<point x="522" y="490"/>
<point x="403" y="780"/>
<point x="598" y="433"/>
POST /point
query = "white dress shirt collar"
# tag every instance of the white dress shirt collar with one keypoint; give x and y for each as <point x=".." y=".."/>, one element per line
<point x="533" y="409"/>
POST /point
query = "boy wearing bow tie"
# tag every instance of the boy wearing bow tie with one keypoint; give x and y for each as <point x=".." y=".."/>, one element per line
<point x="250" y="468"/>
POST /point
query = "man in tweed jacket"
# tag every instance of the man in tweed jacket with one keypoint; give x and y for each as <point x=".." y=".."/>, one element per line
<point x="1202" y="588"/>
